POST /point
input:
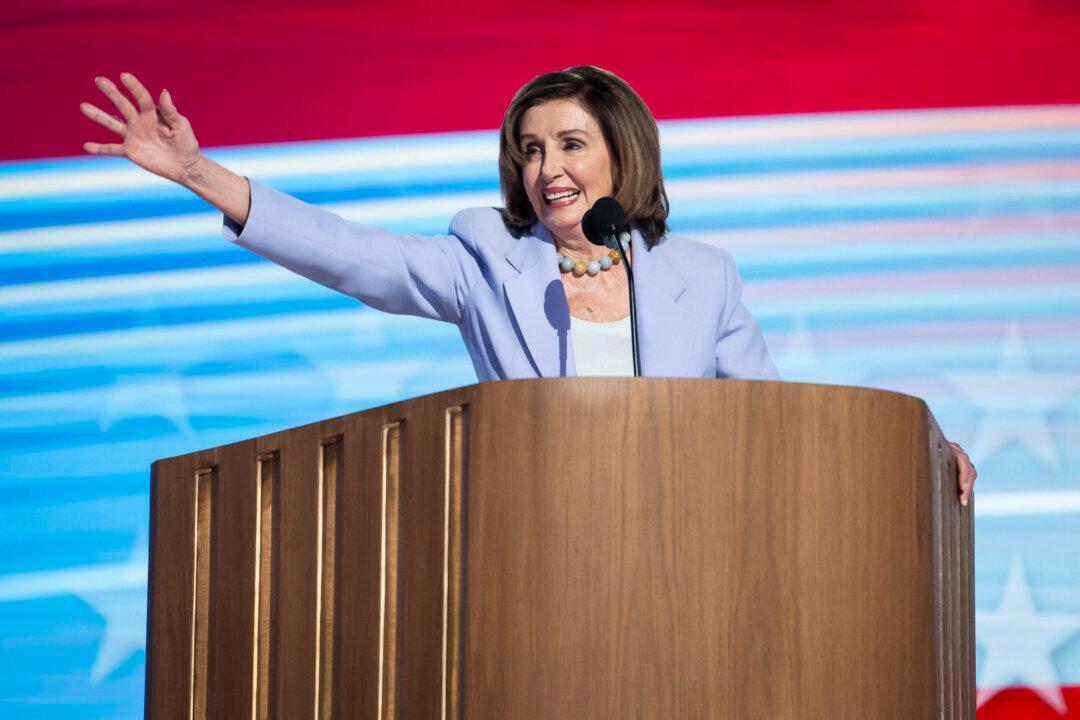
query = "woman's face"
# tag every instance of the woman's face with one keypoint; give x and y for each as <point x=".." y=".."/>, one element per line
<point x="567" y="164"/>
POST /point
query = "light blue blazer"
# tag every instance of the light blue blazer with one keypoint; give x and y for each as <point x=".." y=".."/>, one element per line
<point x="504" y="293"/>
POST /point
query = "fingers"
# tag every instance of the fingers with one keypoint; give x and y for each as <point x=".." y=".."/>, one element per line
<point x="99" y="149"/>
<point x="112" y="92"/>
<point x="168" y="110"/>
<point x="138" y="91"/>
<point x="967" y="482"/>
<point x="966" y="472"/>
<point x="103" y="118"/>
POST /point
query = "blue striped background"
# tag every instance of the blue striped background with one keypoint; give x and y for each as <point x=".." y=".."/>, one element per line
<point x="932" y="252"/>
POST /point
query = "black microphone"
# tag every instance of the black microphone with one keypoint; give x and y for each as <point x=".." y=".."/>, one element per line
<point x="603" y="224"/>
<point x="603" y="220"/>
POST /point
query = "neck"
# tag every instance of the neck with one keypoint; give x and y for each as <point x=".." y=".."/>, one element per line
<point x="576" y="245"/>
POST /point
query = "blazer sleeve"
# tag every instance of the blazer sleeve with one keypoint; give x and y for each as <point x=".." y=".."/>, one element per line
<point x="400" y="273"/>
<point x="740" y="347"/>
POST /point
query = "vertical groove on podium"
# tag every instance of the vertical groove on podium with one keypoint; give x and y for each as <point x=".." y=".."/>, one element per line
<point x="960" y="539"/>
<point x="329" y="462"/>
<point x="941" y="684"/>
<point x="266" y="483"/>
<point x="948" y="514"/>
<point x="456" y="457"/>
<point x="949" y="505"/>
<point x="388" y="573"/>
<point x="200" y="605"/>
<point x="968" y="580"/>
<point x="961" y="660"/>
<point x="959" y="676"/>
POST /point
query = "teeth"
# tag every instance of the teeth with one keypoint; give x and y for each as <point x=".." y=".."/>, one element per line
<point x="560" y="196"/>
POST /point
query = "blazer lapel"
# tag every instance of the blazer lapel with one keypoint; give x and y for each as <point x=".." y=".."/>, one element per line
<point x="538" y="304"/>
<point x="665" y="327"/>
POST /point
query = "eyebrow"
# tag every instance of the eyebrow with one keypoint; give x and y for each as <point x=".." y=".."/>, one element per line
<point x="560" y="134"/>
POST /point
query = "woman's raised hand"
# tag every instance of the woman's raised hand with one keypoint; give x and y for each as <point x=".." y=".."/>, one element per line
<point x="160" y="139"/>
<point x="157" y="138"/>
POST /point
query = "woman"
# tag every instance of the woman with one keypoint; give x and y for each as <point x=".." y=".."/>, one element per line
<point x="530" y="294"/>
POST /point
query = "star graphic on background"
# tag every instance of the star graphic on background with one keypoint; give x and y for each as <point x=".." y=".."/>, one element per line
<point x="124" y="611"/>
<point x="154" y="393"/>
<point x="116" y="591"/>
<point x="1015" y="402"/>
<point x="1019" y="642"/>
<point x="801" y="362"/>
<point x="158" y="395"/>
<point x="353" y="380"/>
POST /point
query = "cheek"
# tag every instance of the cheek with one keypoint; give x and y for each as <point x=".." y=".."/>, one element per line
<point x="528" y="182"/>
<point x="529" y="191"/>
<point x="597" y="174"/>
<point x="528" y="178"/>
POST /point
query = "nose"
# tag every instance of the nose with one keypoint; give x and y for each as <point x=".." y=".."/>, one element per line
<point x="550" y="167"/>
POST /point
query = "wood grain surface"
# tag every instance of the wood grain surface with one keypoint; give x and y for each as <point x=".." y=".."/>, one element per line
<point x="572" y="548"/>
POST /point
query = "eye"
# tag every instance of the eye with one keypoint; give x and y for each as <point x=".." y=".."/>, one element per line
<point x="530" y="152"/>
<point x="572" y="145"/>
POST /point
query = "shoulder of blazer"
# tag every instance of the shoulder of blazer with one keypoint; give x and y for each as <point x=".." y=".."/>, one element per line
<point x="696" y="260"/>
<point x="481" y="225"/>
<point x="483" y="233"/>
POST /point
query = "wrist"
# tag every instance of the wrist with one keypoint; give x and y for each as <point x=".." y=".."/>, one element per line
<point x="195" y="172"/>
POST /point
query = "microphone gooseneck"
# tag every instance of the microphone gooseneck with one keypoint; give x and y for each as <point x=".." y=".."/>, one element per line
<point x="603" y="225"/>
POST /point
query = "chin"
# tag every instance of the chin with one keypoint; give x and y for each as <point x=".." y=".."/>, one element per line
<point x="556" y="221"/>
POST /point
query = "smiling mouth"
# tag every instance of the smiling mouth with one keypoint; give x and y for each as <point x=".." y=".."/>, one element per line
<point x="561" y="199"/>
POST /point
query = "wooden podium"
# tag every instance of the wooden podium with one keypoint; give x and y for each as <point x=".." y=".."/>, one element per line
<point x="563" y="549"/>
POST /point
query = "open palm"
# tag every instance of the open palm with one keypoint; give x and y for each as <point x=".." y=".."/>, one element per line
<point x="157" y="138"/>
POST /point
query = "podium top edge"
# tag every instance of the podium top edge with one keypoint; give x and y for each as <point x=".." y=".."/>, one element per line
<point x="602" y="385"/>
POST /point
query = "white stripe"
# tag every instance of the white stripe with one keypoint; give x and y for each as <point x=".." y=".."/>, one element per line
<point x="763" y="200"/>
<point x="854" y="235"/>
<point x="228" y="331"/>
<point x="849" y="296"/>
<point x="114" y="232"/>
<point x="919" y="179"/>
<point x="358" y="158"/>
<point x="853" y="125"/>
<point x="155" y="283"/>
<point x="412" y="209"/>
<point x="350" y="380"/>
<point x="73" y="581"/>
<point x="916" y="251"/>
<point x="1027" y="503"/>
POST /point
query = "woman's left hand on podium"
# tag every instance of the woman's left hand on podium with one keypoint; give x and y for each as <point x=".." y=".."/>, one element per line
<point x="965" y="471"/>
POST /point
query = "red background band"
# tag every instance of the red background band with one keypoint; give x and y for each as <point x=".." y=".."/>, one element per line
<point x="252" y="72"/>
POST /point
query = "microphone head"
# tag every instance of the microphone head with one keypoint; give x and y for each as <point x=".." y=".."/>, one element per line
<point x="605" y="217"/>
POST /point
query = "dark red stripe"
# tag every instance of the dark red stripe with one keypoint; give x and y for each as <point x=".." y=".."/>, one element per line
<point x="1023" y="704"/>
<point x="249" y="72"/>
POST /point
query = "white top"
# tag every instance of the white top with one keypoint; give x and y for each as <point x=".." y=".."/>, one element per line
<point x="602" y="348"/>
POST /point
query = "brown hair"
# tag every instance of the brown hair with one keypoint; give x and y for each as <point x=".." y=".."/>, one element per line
<point x="629" y="130"/>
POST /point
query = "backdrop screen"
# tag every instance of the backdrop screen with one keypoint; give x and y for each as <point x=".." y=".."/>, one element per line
<point x="899" y="185"/>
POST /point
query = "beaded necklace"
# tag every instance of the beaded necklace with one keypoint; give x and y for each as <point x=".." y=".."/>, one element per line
<point x="592" y="267"/>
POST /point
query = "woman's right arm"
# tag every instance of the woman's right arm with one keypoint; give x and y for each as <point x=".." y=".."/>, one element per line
<point x="160" y="139"/>
<point x="400" y="273"/>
